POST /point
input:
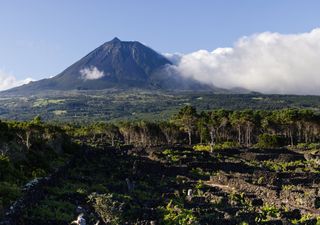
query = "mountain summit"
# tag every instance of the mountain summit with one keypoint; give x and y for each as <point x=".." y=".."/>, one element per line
<point x="116" y="64"/>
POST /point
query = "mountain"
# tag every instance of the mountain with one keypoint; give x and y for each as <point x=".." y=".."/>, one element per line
<point x="116" y="64"/>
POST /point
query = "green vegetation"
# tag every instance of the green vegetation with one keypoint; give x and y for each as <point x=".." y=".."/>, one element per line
<point x="175" y="213"/>
<point x="29" y="150"/>
<point x="267" y="212"/>
<point x="109" y="209"/>
<point x="203" y="167"/>
<point x="53" y="210"/>
<point x="269" y="141"/>
<point x="118" y="105"/>
<point x="201" y="147"/>
<point x="218" y="129"/>
<point x="283" y="166"/>
<point x="45" y="102"/>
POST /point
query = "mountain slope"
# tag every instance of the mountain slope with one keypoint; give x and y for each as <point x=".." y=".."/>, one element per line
<point x="116" y="64"/>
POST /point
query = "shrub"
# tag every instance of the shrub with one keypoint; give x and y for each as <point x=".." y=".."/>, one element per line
<point x="308" y="146"/>
<point x="175" y="213"/>
<point x="314" y="146"/>
<point x="229" y="144"/>
<point x="267" y="212"/>
<point x="108" y="207"/>
<point x="205" y="148"/>
<point x="8" y="193"/>
<point x="303" y="220"/>
<point x="270" y="141"/>
<point x="5" y="167"/>
<point x="52" y="209"/>
<point x="167" y="152"/>
<point x="38" y="173"/>
<point x="219" y="146"/>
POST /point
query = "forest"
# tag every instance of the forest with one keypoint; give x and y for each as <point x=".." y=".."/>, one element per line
<point x="198" y="167"/>
<point x="216" y="128"/>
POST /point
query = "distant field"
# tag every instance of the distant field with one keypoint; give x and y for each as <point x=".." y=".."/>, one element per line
<point x="138" y="104"/>
<point x="45" y="102"/>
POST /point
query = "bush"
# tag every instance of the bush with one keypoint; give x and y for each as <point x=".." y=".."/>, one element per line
<point x="205" y="148"/>
<point x="52" y="209"/>
<point x="177" y="214"/>
<point x="308" y="146"/>
<point x="38" y="173"/>
<point x="4" y="166"/>
<point x="167" y="152"/>
<point x="8" y="193"/>
<point x="314" y="145"/>
<point x="108" y="207"/>
<point x="7" y="169"/>
<point x="229" y="144"/>
<point x="270" y="141"/>
<point x="224" y="145"/>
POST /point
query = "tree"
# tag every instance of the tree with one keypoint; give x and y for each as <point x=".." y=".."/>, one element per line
<point x="237" y="122"/>
<point x="214" y="124"/>
<point x="170" y="131"/>
<point x="269" y="141"/>
<point x="202" y="127"/>
<point x="250" y="120"/>
<point x="29" y="132"/>
<point x="125" y="130"/>
<point x="187" y="119"/>
<point x="269" y="124"/>
<point x="112" y="132"/>
<point x="288" y="119"/>
<point x="37" y="120"/>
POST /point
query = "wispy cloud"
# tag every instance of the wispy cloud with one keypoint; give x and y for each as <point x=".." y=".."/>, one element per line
<point x="8" y="81"/>
<point x="266" y="62"/>
<point x="91" y="73"/>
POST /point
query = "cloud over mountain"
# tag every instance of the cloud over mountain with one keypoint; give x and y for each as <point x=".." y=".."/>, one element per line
<point x="8" y="81"/>
<point x="266" y="62"/>
<point x="91" y="73"/>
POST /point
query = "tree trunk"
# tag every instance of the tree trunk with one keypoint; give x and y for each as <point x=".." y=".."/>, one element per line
<point x="212" y="136"/>
<point x="189" y="135"/>
<point x="212" y="140"/>
<point x="112" y="141"/>
<point x="28" y="144"/>
<point x="291" y="137"/>
<point x="239" y="135"/>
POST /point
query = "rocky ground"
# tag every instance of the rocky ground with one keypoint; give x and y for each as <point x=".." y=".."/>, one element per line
<point x="178" y="185"/>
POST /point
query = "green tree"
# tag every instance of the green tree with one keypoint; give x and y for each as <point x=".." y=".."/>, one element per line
<point x="187" y="120"/>
<point x="170" y="131"/>
<point x="112" y="133"/>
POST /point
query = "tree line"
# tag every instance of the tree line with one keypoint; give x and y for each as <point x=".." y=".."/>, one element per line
<point x="242" y="128"/>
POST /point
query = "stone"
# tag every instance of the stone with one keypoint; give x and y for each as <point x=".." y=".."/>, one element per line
<point x="189" y="194"/>
<point x="80" y="220"/>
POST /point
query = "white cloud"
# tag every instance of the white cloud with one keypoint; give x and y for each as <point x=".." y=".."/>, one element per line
<point x="8" y="81"/>
<point x="174" y="57"/>
<point x="91" y="73"/>
<point x="266" y="62"/>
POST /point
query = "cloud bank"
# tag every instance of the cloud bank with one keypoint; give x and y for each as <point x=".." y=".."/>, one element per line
<point x="265" y="62"/>
<point x="91" y="73"/>
<point x="8" y="81"/>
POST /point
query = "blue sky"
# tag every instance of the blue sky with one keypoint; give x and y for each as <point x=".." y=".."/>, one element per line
<point x="41" y="38"/>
